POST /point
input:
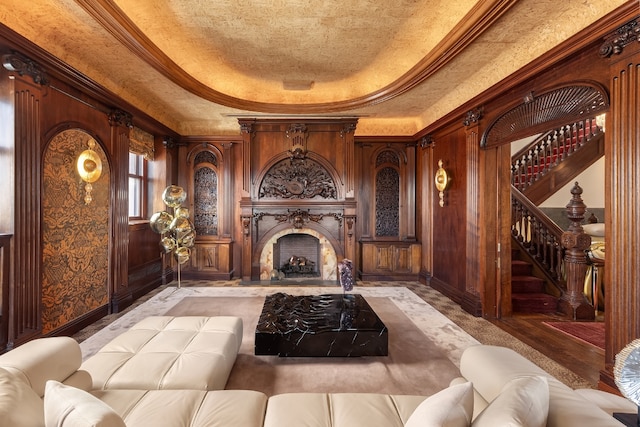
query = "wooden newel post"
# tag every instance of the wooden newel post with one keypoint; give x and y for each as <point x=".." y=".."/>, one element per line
<point x="573" y="303"/>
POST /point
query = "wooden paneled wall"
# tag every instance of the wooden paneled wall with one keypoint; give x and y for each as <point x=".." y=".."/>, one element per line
<point x="41" y="105"/>
<point x="473" y="266"/>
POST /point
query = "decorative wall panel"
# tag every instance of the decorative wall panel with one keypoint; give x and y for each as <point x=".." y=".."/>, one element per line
<point x="75" y="235"/>
<point x="205" y="216"/>
<point x="387" y="203"/>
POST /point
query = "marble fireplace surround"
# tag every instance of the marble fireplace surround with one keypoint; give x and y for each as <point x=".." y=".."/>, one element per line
<point x="327" y="267"/>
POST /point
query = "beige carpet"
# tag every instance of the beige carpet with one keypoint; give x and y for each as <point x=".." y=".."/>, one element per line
<point x="414" y="365"/>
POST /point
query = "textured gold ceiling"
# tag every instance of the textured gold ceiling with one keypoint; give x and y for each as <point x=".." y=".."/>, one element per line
<point x="399" y="65"/>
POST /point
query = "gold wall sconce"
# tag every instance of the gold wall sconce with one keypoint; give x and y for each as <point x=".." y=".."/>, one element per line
<point x="442" y="181"/>
<point x="89" y="168"/>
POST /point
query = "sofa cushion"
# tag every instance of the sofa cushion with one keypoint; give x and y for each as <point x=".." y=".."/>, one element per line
<point x="165" y="352"/>
<point x="43" y="359"/>
<point x="66" y="406"/>
<point x="20" y="405"/>
<point x="451" y="407"/>
<point x="340" y="410"/>
<point x="193" y="408"/>
<point x="523" y="401"/>
<point x="478" y="401"/>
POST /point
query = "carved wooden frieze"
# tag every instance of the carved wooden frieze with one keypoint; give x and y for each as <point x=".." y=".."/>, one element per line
<point x="298" y="218"/>
<point x="297" y="178"/>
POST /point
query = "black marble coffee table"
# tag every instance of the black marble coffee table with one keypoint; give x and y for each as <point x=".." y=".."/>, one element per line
<point x="332" y="325"/>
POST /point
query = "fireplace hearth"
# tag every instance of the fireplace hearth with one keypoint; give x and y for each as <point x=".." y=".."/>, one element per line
<point x="299" y="266"/>
<point x="297" y="255"/>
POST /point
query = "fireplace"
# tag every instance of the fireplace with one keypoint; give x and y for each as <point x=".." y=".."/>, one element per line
<point x="299" y="182"/>
<point x="297" y="255"/>
<point x="310" y="248"/>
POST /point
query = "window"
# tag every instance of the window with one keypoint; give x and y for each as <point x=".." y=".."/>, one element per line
<point x="137" y="186"/>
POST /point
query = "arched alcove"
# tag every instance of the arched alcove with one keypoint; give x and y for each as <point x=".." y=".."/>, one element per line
<point x="75" y="234"/>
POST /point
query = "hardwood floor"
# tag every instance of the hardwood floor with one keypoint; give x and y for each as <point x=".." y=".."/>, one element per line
<point x="583" y="359"/>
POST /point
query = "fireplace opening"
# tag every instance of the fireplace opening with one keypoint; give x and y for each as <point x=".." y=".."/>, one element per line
<point x="297" y="255"/>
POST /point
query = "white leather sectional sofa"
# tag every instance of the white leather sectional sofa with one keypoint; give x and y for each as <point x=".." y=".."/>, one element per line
<point x="43" y="383"/>
<point x="166" y="352"/>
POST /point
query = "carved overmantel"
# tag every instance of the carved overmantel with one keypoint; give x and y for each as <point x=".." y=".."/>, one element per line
<point x="297" y="177"/>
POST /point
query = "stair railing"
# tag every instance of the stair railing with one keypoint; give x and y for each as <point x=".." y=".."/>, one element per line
<point x="539" y="236"/>
<point x="546" y="152"/>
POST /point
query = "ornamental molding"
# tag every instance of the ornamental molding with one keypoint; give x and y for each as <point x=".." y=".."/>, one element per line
<point x="299" y="218"/>
<point x="24" y="66"/>
<point x="472" y="116"/>
<point x="120" y="118"/>
<point x="298" y="134"/>
<point x="615" y="42"/>
<point x="297" y="178"/>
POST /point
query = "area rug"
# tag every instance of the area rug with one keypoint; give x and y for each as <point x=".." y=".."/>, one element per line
<point x="415" y="365"/>
<point x="425" y="346"/>
<point x="588" y="332"/>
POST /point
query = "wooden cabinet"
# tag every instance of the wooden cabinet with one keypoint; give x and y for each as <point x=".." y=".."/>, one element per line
<point x="210" y="260"/>
<point x="390" y="260"/>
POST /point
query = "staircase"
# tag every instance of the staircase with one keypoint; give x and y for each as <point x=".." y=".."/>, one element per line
<point x="538" y="170"/>
<point x="528" y="293"/>
<point x="555" y="158"/>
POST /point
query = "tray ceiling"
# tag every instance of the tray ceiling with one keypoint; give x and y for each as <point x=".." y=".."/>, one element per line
<point x="398" y="65"/>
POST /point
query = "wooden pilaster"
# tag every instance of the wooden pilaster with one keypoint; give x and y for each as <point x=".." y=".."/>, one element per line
<point x="473" y="283"/>
<point x="120" y="123"/>
<point x="25" y="323"/>
<point x="622" y="175"/>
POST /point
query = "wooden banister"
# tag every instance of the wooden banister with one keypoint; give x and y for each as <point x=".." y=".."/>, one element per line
<point x="539" y="236"/>
<point x="543" y="154"/>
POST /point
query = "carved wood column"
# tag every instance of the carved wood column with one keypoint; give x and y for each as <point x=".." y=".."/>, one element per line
<point x="350" y="208"/>
<point x="26" y="82"/>
<point x="426" y="166"/>
<point x="120" y="123"/>
<point x="246" y="208"/>
<point x="575" y="241"/>
<point x="228" y="221"/>
<point x="473" y="284"/>
<point x="622" y="175"/>
<point x="411" y="193"/>
<point x="347" y="135"/>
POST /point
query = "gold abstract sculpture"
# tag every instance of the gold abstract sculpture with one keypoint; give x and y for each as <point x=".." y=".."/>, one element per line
<point x="89" y="168"/>
<point x="178" y="233"/>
